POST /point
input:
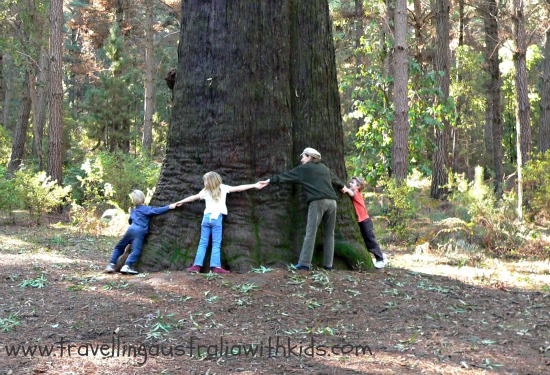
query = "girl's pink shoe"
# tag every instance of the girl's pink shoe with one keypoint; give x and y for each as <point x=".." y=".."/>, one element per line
<point x="195" y="269"/>
<point x="219" y="270"/>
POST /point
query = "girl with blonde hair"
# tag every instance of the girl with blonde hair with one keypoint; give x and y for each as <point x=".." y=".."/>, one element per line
<point x="214" y="195"/>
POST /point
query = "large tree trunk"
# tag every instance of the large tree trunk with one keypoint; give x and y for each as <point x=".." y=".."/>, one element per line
<point x="441" y="134"/>
<point x="20" y="131"/>
<point x="544" y="131"/>
<point x="400" y="146"/>
<point x="149" y="102"/>
<point x="55" y="135"/>
<point x="256" y="83"/>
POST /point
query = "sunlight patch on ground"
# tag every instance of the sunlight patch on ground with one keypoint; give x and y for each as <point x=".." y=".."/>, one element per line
<point x="522" y="274"/>
<point x="10" y="242"/>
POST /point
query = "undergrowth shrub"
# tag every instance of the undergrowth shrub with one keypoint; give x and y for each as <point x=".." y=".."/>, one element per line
<point x="536" y="187"/>
<point x="37" y="193"/>
<point x="107" y="179"/>
<point x="492" y="224"/>
<point x="8" y="199"/>
<point x="5" y="146"/>
<point x="401" y="207"/>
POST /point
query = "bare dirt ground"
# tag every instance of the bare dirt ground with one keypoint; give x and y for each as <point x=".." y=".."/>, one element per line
<point x="420" y="315"/>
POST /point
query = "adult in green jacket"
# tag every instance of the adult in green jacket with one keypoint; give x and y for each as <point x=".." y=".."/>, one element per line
<point x="317" y="181"/>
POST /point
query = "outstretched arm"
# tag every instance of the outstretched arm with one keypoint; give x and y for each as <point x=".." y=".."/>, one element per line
<point x="190" y="198"/>
<point x="348" y="191"/>
<point x="234" y="189"/>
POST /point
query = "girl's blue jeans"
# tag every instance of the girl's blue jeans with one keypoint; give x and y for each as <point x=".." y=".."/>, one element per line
<point x="210" y="228"/>
<point x="134" y="236"/>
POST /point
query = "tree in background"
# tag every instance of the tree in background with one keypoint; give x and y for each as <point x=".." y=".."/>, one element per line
<point x="400" y="144"/>
<point x="442" y="130"/>
<point x="108" y="103"/>
<point x="149" y="103"/>
<point x="55" y="129"/>
<point x="256" y="84"/>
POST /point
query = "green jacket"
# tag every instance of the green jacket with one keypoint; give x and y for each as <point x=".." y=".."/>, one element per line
<point x="316" y="179"/>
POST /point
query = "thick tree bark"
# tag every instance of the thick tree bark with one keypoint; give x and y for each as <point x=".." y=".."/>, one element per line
<point x="544" y="131"/>
<point x="21" y="127"/>
<point x="149" y="103"/>
<point x="256" y="83"/>
<point x="55" y="135"/>
<point x="400" y="149"/>
<point x="441" y="134"/>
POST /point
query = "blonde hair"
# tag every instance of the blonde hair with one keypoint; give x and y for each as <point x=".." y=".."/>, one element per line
<point x="360" y="182"/>
<point x="212" y="182"/>
<point x="137" y="197"/>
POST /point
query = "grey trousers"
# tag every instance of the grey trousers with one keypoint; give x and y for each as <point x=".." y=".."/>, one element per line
<point x="321" y="210"/>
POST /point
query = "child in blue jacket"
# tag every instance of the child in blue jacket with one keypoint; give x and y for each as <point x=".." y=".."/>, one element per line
<point x="139" y="227"/>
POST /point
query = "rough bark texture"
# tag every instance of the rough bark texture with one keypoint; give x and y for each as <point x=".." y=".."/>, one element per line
<point x="442" y="134"/>
<point x="544" y="131"/>
<point x="490" y="18"/>
<point x="400" y="146"/>
<point x="55" y="136"/>
<point x="256" y="83"/>
<point x="20" y="131"/>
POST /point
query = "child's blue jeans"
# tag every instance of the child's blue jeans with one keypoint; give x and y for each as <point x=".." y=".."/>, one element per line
<point x="135" y="236"/>
<point x="210" y="227"/>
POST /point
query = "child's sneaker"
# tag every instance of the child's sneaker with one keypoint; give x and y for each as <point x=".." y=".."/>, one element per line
<point x="128" y="270"/>
<point x="301" y="267"/>
<point x="110" y="268"/>
<point x="219" y="270"/>
<point x="195" y="269"/>
<point x="379" y="264"/>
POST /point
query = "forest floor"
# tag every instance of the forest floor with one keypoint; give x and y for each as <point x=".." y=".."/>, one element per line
<point x="60" y="314"/>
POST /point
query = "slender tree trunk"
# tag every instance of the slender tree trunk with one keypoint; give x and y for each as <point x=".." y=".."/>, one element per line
<point x="55" y="136"/>
<point x="149" y="101"/>
<point x="441" y="134"/>
<point x="21" y="128"/>
<point x="494" y="108"/>
<point x="523" y="110"/>
<point x="388" y="55"/>
<point x="359" y="32"/>
<point x="2" y="83"/>
<point x="455" y="133"/>
<point x="39" y="91"/>
<point x="418" y="35"/>
<point x="400" y="150"/>
<point x="8" y="88"/>
<point x="256" y="83"/>
<point x="544" y="131"/>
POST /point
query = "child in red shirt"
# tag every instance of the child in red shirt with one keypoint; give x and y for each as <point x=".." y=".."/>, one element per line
<point x="356" y="185"/>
